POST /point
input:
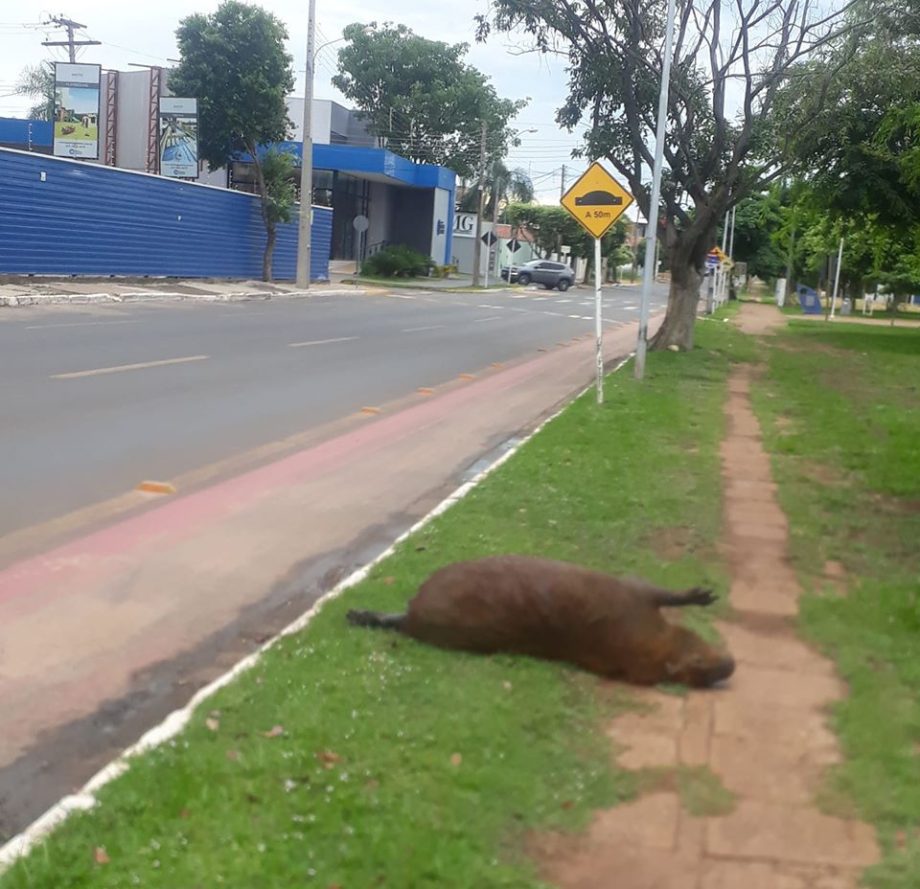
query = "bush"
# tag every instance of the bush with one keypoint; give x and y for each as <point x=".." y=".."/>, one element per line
<point x="397" y="262"/>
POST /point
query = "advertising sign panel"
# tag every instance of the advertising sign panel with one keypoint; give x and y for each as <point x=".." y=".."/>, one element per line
<point x="178" y="137"/>
<point x="76" y="110"/>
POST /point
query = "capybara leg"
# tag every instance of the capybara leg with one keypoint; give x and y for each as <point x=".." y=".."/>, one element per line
<point x="376" y="620"/>
<point x="696" y="596"/>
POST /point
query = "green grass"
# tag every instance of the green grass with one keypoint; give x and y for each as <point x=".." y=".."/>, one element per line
<point x="406" y="766"/>
<point x="842" y="412"/>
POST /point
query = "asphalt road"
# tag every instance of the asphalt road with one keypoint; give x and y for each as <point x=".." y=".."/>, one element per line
<point x="95" y="400"/>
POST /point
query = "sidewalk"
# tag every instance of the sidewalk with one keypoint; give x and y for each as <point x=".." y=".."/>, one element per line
<point x="764" y="738"/>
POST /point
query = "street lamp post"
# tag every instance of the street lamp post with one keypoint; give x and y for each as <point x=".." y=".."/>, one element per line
<point x="305" y="229"/>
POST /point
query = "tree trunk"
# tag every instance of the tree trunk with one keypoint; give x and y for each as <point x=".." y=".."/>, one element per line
<point x="271" y="235"/>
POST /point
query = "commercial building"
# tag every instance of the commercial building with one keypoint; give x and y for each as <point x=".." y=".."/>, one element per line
<point x="404" y="202"/>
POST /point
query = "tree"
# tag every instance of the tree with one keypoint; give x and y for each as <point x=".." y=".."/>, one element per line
<point x="423" y="98"/>
<point x="502" y="186"/>
<point x="758" y="221"/>
<point x="234" y="61"/>
<point x="729" y="64"/>
<point x="278" y="198"/>
<point x="37" y="82"/>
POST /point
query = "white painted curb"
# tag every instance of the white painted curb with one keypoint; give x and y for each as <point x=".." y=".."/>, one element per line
<point x="85" y="798"/>
<point x="44" y="299"/>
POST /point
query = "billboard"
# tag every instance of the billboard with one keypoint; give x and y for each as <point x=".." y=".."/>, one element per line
<point x="76" y="110"/>
<point x="178" y="137"/>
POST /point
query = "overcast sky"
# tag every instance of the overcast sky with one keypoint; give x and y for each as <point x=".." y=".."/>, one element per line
<point x="145" y="33"/>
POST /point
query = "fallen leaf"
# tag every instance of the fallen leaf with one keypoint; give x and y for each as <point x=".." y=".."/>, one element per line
<point x="456" y="759"/>
<point x="212" y="723"/>
<point x="233" y="755"/>
<point x="568" y="804"/>
<point x="328" y="758"/>
<point x="274" y="732"/>
<point x="389" y="581"/>
<point x="101" y="855"/>
<point x="506" y="685"/>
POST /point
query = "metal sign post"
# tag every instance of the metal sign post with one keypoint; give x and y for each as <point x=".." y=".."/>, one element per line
<point x="598" y="322"/>
<point x="361" y="224"/>
<point x="597" y="201"/>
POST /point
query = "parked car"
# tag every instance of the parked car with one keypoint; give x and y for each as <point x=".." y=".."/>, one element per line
<point x="541" y="271"/>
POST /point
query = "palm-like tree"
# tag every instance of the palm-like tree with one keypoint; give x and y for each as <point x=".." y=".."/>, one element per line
<point x="37" y="82"/>
<point x="502" y="186"/>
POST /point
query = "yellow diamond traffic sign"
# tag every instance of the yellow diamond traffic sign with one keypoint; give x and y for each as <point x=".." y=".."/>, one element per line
<point x="597" y="200"/>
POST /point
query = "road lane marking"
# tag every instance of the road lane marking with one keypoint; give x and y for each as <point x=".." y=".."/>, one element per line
<point x="559" y="302"/>
<point x="489" y="307"/>
<point x="490" y="318"/>
<point x="80" y="324"/>
<point x="156" y="488"/>
<point x="420" y="329"/>
<point x="335" y="339"/>
<point x="399" y="296"/>
<point x="119" y="368"/>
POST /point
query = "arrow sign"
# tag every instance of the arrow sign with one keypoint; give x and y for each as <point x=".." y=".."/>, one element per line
<point x="489" y="239"/>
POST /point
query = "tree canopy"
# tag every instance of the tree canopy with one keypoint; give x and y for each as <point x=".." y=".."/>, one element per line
<point x="423" y="98"/>
<point x="235" y="63"/>
<point x="729" y="65"/>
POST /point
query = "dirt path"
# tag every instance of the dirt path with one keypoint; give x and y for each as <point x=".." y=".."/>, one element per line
<point x="764" y="738"/>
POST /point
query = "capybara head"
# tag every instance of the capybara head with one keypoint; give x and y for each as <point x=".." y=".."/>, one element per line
<point x="696" y="663"/>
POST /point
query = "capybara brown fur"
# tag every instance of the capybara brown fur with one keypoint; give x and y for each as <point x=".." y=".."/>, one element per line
<point x="559" y="611"/>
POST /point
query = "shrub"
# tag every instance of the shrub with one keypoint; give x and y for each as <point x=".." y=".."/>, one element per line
<point x="397" y="261"/>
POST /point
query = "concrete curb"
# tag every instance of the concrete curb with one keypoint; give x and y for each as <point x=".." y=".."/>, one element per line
<point x="44" y="299"/>
<point x="85" y="798"/>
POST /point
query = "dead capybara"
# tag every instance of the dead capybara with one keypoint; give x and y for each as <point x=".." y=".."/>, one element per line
<point x="559" y="611"/>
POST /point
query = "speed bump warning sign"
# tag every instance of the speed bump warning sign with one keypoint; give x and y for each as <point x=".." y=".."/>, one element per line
<point x="597" y="200"/>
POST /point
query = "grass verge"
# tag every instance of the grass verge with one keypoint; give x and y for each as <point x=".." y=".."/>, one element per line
<point x="358" y="759"/>
<point x="841" y="406"/>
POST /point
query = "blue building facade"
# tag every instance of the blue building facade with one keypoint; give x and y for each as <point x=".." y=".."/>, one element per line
<point x="404" y="202"/>
<point x="64" y="217"/>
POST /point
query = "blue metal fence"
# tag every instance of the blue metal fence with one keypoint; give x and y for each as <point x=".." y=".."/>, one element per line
<point x="65" y="217"/>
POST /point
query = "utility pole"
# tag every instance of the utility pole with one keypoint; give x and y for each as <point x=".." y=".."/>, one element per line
<point x="477" y="244"/>
<point x="497" y="245"/>
<point x="562" y="184"/>
<point x="71" y="44"/>
<point x="305" y="228"/>
<point x="836" y="279"/>
<point x="654" y="213"/>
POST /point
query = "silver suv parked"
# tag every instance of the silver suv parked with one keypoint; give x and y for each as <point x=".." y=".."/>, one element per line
<point x="541" y="271"/>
